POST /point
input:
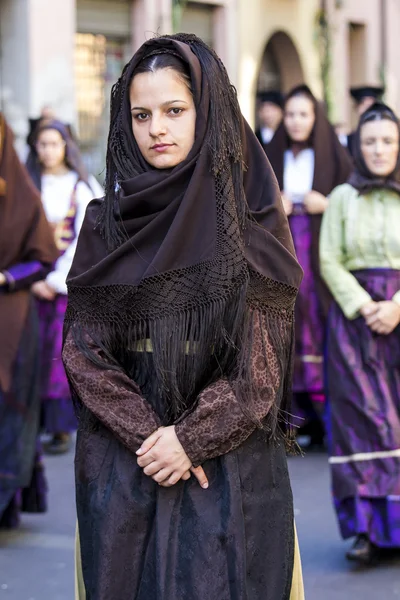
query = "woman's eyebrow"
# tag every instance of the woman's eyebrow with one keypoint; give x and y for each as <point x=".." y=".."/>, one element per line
<point x="172" y="102"/>
<point x="167" y="103"/>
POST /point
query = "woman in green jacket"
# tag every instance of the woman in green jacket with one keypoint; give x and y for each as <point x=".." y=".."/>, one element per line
<point x="360" y="262"/>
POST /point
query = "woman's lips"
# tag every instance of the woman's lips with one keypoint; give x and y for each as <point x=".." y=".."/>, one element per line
<point x="161" y="147"/>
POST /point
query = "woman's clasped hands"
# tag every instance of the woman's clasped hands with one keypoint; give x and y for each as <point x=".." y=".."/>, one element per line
<point x="163" y="458"/>
<point x="381" y="317"/>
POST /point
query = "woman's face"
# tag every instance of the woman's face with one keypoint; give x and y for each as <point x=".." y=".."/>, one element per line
<point x="380" y="146"/>
<point x="299" y="118"/>
<point x="163" y="117"/>
<point x="50" y="147"/>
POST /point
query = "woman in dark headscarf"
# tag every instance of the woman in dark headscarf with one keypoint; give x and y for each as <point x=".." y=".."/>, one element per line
<point x="26" y="253"/>
<point x="360" y="262"/>
<point x="309" y="162"/>
<point x="178" y="343"/>
<point x="56" y="168"/>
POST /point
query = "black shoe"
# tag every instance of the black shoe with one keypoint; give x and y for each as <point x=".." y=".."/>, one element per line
<point x="363" y="550"/>
<point x="60" y="444"/>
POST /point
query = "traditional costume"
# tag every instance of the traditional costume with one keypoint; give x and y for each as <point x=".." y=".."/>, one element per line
<point x="360" y="262"/>
<point x="27" y="252"/>
<point x="320" y="164"/>
<point x="181" y="307"/>
<point x="65" y="198"/>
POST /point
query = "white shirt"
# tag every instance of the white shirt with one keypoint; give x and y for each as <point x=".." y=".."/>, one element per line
<point x="266" y="134"/>
<point x="56" y="198"/>
<point x="298" y="173"/>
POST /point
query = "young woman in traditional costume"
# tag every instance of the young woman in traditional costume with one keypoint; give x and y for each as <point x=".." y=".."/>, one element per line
<point x="178" y="345"/>
<point x="56" y="168"/>
<point x="308" y="161"/>
<point x="360" y="262"/>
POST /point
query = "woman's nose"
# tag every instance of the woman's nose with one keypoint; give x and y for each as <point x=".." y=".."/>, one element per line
<point x="157" y="125"/>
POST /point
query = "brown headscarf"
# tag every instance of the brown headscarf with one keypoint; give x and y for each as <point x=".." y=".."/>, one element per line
<point x="25" y="236"/>
<point x="332" y="167"/>
<point x="178" y="256"/>
<point x="361" y="178"/>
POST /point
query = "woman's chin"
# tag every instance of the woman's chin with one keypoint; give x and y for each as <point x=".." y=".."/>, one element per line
<point x="164" y="162"/>
<point x="384" y="172"/>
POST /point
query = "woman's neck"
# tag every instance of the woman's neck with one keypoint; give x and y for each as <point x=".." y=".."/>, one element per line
<point x="58" y="170"/>
<point x="297" y="147"/>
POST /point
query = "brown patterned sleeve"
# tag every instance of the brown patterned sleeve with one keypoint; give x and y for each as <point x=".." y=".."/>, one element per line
<point x="218" y="424"/>
<point x="111" y="396"/>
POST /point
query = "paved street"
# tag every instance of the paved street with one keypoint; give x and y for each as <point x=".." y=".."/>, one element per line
<point x="36" y="562"/>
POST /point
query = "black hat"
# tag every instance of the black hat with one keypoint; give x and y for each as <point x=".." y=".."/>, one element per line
<point x="273" y="96"/>
<point x="366" y="91"/>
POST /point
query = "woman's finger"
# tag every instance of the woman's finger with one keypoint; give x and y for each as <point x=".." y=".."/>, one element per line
<point x="150" y="442"/>
<point x="174" y="478"/>
<point x="372" y="319"/>
<point x="162" y="475"/>
<point x="376" y="326"/>
<point x="145" y="460"/>
<point x="200" y="475"/>
<point x="152" y="468"/>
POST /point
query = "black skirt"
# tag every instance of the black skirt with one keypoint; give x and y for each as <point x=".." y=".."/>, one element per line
<point x="140" y="541"/>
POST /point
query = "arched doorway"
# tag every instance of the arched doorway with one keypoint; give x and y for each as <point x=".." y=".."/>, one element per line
<point x="280" y="67"/>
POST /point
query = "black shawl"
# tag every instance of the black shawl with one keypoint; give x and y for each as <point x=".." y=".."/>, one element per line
<point x="180" y="256"/>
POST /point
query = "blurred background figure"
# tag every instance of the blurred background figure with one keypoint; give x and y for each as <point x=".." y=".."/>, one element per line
<point x="270" y="113"/>
<point x="363" y="97"/>
<point x="56" y="168"/>
<point x="47" y="114"/>
<point x="360" y="261"/>
<point x="342" y="133"/>
<point x="309" y="162"/>
<point x="27" y="252"/>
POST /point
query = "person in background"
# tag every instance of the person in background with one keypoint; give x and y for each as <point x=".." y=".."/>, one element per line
<point x="309" y="162"/>
<point x="360" y="262"/>
<point x="46" y="114"/>
<point x="66" y="191"/>
<point x="342" y="133"/>
<point x="363" y="96"/>
<point x="27" y="252"/>
<point x="269" y="114"/>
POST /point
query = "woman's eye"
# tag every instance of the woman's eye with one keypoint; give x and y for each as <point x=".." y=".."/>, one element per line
<point x="176" y="111"/>
<point x="141" y="116"/>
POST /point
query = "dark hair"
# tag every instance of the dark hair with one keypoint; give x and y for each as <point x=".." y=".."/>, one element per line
<point x="301" y="91"/>
<point x="378" y="112"/>
<point x="72" y="156"/>
<point x="165" y="60"/>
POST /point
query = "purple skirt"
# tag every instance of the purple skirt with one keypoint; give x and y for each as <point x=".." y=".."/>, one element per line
<point x="363" y="417"/>
<point x="58" y="414"/>
<point x="308" y="368"/>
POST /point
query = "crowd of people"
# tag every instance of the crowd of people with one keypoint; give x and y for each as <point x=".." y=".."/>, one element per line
<point x="342" y="202"/>
<point x="171" y="326"/>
